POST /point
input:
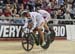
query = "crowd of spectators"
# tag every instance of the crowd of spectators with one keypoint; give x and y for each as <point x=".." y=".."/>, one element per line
<point x="58" y="9"/>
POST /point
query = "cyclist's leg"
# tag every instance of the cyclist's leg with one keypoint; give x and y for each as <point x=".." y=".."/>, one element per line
<point x="41" y="33"/>
<point x="46" y="27"/>
<point x="34" y="31"/>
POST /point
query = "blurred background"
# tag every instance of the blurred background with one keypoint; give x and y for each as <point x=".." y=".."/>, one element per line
<point x="58" y="9"/>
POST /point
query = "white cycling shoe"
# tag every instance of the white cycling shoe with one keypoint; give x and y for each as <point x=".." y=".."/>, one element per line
<point x="49" y="32"/>
<point x="44" y="43"/>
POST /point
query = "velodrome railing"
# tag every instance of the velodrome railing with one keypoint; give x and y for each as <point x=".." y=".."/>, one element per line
<point x="54" y="21"/>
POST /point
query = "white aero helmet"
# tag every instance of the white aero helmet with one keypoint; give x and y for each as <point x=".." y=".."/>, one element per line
<point x="24" y="12"/>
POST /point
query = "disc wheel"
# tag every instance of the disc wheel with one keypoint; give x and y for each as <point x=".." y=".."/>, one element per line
<point x="52" y="35"/>
<point x="27" y="42"/>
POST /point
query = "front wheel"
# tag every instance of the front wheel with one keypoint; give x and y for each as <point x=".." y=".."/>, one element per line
<point x="28" y="42"/>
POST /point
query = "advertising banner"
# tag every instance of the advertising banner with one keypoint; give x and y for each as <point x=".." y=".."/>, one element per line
<point x="14" y="30"/>
<point x="60" y="30"/>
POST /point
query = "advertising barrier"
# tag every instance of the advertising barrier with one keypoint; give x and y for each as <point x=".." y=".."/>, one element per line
<point x="14" y="30"/>
<point x="60" y="30"/>
<point x="11" y="29"/>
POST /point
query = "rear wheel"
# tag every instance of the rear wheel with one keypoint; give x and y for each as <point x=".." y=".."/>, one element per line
<point x="47" y="40"/>
<point x="52" y="35"/>
<point x="28" y="42"/>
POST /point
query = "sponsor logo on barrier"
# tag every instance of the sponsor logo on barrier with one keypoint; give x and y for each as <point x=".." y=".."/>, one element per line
<point x="59" y="30"/>
<point x="14" y="31"/>
<point x="10" y="31"/>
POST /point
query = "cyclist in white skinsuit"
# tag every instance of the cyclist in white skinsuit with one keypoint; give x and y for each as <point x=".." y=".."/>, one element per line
<point x="46" y="17"/>
<point x="37" y="19"/>
<point x="38" y="22"/>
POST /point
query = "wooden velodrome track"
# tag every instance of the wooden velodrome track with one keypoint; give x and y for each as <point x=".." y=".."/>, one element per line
<point x="57" y="47"/>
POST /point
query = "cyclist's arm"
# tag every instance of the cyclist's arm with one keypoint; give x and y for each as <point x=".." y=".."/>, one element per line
<point x="26" y="23"/>
<point x="34" y="23"/>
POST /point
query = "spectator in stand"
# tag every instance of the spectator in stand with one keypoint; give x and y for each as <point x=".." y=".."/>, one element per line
<point x="6" y="1"/>
<point x="7" y="11"/>
<point x="44" y="4"/>
<point x="52" y="8"/>
<point x="69" y="7"/>
<point x="72" y="13"/>
<point x="20" y="1"/>
<point x="1" y="1"/>
<point x="1" y="13"/>
<point x="60" y="14"/>
<point x="54" y="4"/>
<point x="70" y="1"/>
<point x="25" y="1"/>
<point x="17" y="16"/>
<point x="1" y="4"/>
<point x="63" y="8"/>
<point x="67" y="15"/>
<point x="21" y="8"/>
<point x="48" y="8"/>
<point x="60" y="2"/>
<point x="73" y="4"/>
<point x="15" y="8"/>
<point x="25" y="4"/>
<point x="31" y="5"/>
<point x="38" y="3"/>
